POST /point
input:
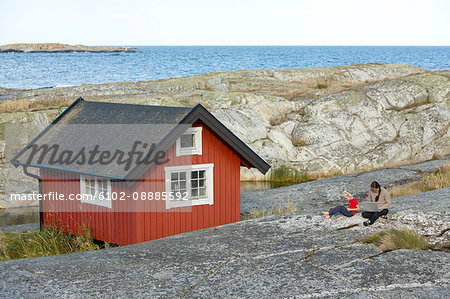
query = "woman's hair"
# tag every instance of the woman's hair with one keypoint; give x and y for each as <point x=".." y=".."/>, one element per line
<point x="375" y="184"/>
<point x="348" y="193"/>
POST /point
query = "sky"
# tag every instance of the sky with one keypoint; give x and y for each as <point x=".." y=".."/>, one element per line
<point x="226" y="22"/>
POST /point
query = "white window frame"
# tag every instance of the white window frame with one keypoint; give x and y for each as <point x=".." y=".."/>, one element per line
<point x="209" y="173"/>
<point x="107" y="203"/>
<point x="197" y="149"/>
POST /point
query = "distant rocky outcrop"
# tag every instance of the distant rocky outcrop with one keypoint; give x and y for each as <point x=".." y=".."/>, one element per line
<point x="58" y="48"/>
<point x="332" y="119"/>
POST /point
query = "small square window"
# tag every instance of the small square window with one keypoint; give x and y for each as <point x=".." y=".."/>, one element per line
<point x="190" y="143"/>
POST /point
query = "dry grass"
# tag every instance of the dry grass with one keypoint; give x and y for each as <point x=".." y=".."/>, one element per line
<point x="21" y="105"/>
<point x="288" y="94"/>
<point x="430" y="181"/>
<point x="299" y="141"/>
<point x="324" y="174"/>
<point x="394" y="239"/>
<point x="279" y="120"/>
<point x="281" y="209"/>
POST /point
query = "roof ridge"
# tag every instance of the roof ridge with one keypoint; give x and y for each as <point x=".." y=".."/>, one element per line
<point x="140" y="105"/>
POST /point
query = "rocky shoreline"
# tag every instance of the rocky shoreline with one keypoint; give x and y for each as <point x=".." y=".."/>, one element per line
<point x="60" y="48"/>
<point x="342" y="118"/>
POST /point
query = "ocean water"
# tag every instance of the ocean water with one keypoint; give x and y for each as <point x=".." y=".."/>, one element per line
<point x="40" y="70"/>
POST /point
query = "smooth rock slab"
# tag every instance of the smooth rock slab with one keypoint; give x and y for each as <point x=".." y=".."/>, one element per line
<point x="400" y="270"/>
<point x="296" y="254"/>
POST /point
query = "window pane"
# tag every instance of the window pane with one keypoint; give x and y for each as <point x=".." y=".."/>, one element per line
<point x="174" y="186"/>
<point x="187" y="141"/>
<point x="183" y="176"/>
<point x="103" y="184"/>
<point x="194" y="184"/>
<point x="194" y="192"/>
<point x="194" y="174"/>
<point x="104" y="193"/>
<point x="183" y="185"/>
<point x="201" y="183"/>
<point x="201" y="173"/>
<point x="202" y="191"/>
<point x="90" y="183"/>
<point x="174" y="176"/>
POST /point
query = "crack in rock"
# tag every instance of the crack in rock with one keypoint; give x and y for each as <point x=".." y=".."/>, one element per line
<point x="205" y="277"/>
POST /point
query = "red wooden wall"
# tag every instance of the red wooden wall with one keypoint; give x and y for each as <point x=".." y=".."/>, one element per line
<point x="131" y="221"/>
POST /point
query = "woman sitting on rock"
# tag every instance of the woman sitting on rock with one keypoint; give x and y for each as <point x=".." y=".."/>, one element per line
<point x="349" y="212"/>
<point x="381" y="196"/>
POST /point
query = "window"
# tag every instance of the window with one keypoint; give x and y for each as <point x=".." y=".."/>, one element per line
<point x="190" y="143"/>
<point x="95" y="191"/>
<point x="189" y="185"/>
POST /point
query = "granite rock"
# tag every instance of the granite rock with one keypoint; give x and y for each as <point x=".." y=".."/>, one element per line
<point x="295" y="254"/>
<point x="361" y="117"/>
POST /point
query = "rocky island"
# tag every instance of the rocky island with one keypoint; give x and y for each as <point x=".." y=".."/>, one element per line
<point x="336" y="120"/>
<point x="59" y="48"/>
<point x="344" y="119"/>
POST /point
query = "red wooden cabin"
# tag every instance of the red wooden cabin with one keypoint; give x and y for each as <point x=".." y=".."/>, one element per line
<point x="190" y="180"/>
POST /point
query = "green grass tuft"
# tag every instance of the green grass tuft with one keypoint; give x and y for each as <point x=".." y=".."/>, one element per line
<point x="49" y="241"/>
<point x="394" y="239"/>
<point x="403" y="239"/>
<point x="376" y="239"/>
<point x="321" y="85"/>
<point x="287" y="174"/>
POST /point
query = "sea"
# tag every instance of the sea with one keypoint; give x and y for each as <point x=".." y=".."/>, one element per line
<point x="47" y="70"/>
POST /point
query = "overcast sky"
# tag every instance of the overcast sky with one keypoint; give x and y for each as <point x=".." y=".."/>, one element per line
<point x="226" y="22"/>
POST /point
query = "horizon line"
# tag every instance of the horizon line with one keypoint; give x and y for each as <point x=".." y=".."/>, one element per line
<point x="225" y="45"/>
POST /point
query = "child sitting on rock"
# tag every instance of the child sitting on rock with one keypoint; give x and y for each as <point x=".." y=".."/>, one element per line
<point x="348" y="212"/>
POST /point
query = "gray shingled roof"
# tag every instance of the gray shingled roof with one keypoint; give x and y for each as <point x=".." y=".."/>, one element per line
<point x="84" y="112"/>
<point x="116" y="127"/>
